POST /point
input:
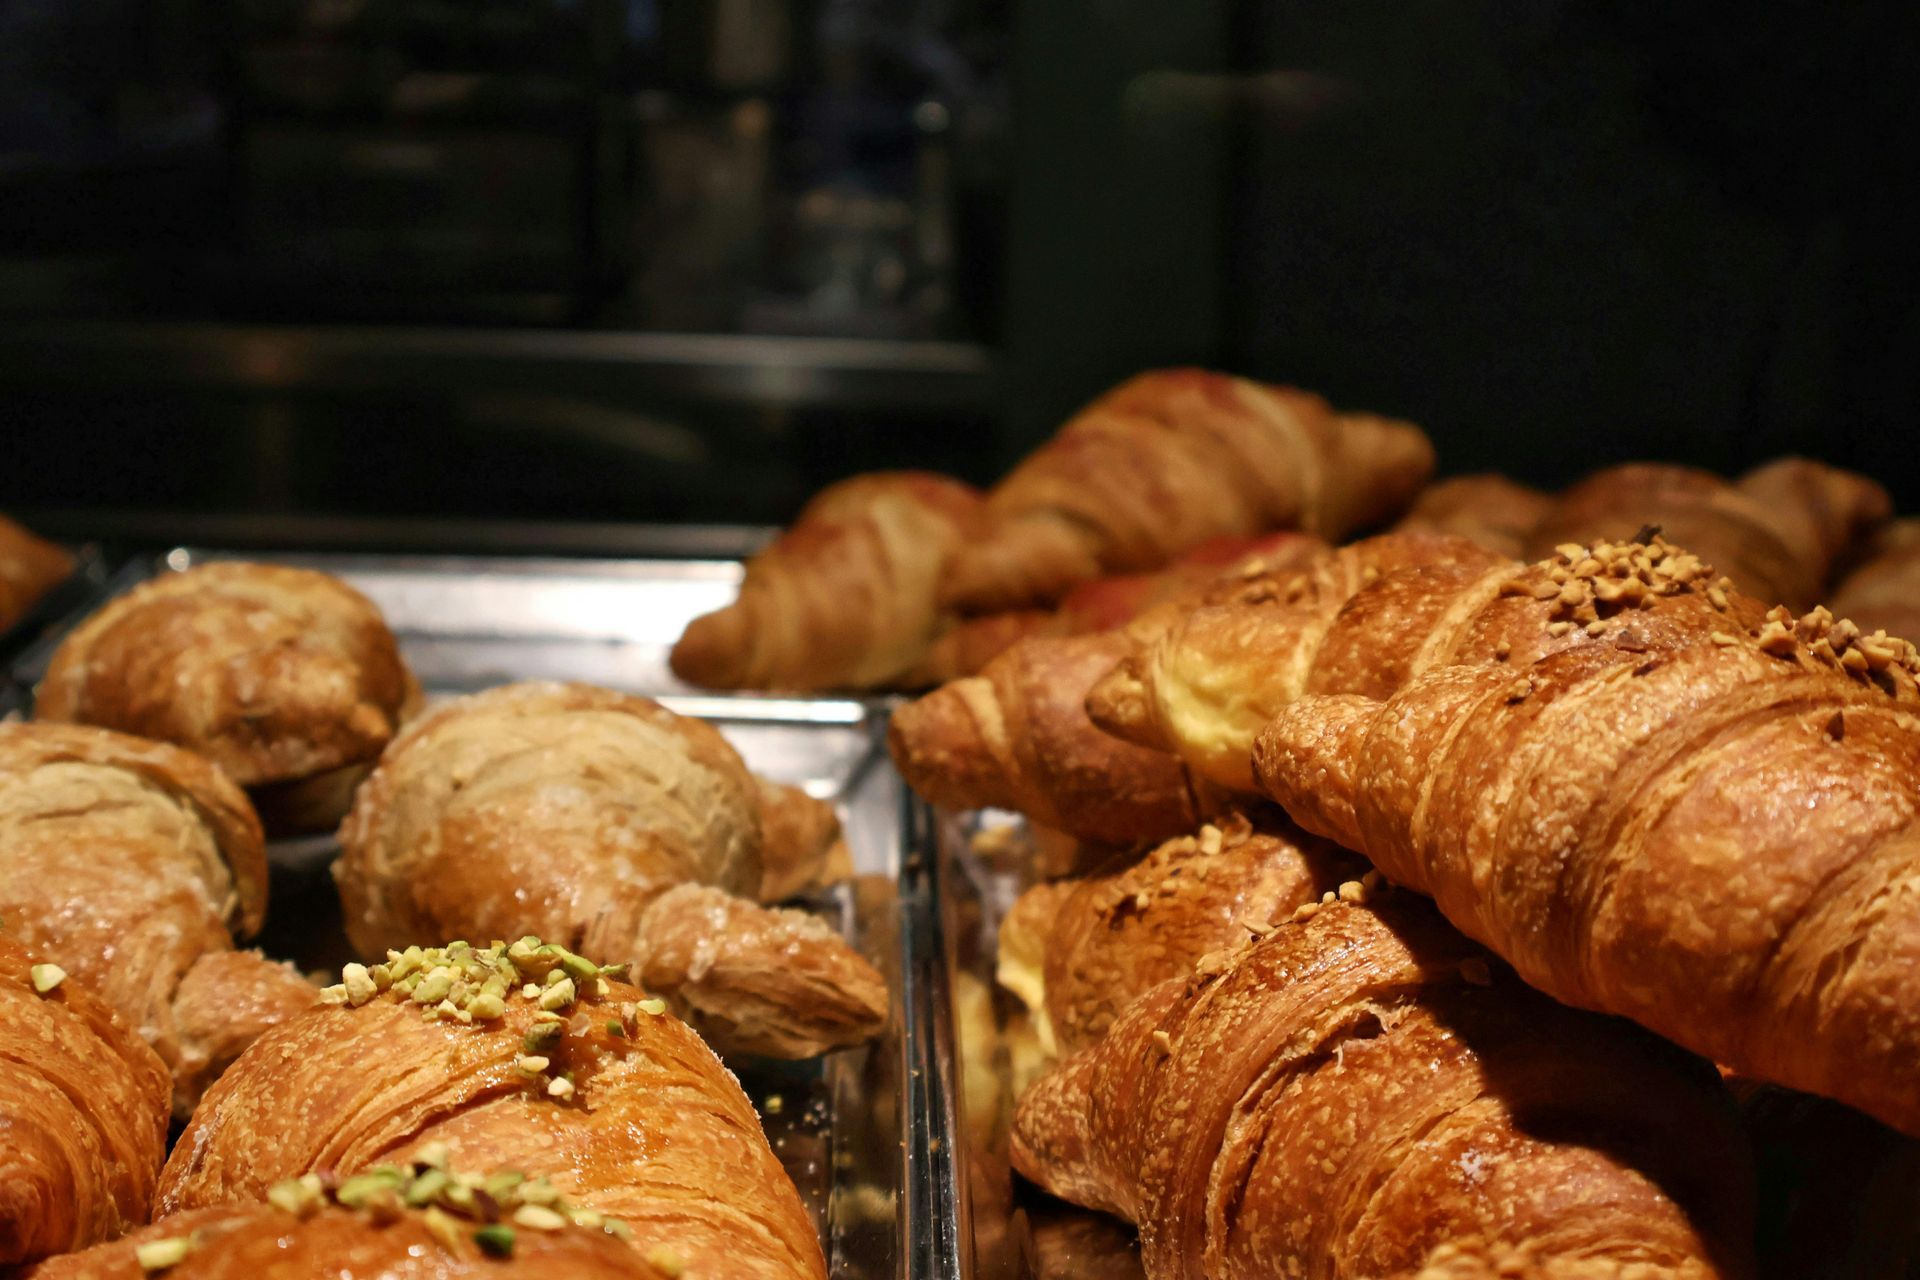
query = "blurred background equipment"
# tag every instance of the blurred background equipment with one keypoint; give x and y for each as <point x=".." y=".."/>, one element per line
<point x="624" y="260"/>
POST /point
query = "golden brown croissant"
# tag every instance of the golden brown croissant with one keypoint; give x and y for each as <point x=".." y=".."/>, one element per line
<point x="1103" y="604"/>
<point x="524" y="1057"/>
<point x="844" y="598"/>
<point x="1699" y="824"/>
<point x="1778" y="532"/>
<point x="1362" y="1086"/>
<point x="1487" y="509"/>
<point x="420" y="1222"/>
<point x="1017" y="736"/>
<point x="1167" y="460"/>
<point x="280" y="676"/>
<point x="134" y="865"/>
<point x="83" y="1113"/>
<point x="1080" y="951"/>
<point x="1883" y="593"/>
<point x="1212" y="678"/>
<point x="606" y="822"/>
<point x="29" y="568"/>
<point x="801" y="847"/>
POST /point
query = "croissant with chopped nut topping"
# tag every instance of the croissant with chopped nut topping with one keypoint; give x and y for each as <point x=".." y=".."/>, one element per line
<point x="604" y="821"/>
<point x="135" y="864"/>
<point x="1362" y="1086"/>
<point x="1779" y="531"/>
<point x="526" y="1057"/>
<point x="83" y="1113"/>
<point x="286" y="678"/>
<point x="1167" y="460"/>
<point x="1706" y="826"/>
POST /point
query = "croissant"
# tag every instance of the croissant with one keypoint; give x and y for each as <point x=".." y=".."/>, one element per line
<point x="288" y="679"/>
<point x="844" y="598"/>
<point x="1778" y="532"/>
<point x="1489" y="510"/>
<point x="1109" y="602"/>
<point x="1167" y="460"/>
<point x="1361" y="1087"/>
<point x="1207" y="683"/>
<point x="83" y="1113"/>
<point x="1701" y="825"/>
<point x="134" y="864"/>
<point x="1078" y="952"/>
<point x="606" y="822"/>
<point x="1883" y="593"/>
<point x="1017" y="736"/>
<point x="29" y="568"/>
<point x="801" y="847"/>
<point x="386" y="1224"/>
<point x="525" y="1057"/>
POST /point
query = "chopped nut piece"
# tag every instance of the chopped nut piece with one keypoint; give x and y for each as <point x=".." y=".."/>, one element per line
<point x="774" y="1105"/>
<point x="654" y="1007"/>
<point x="359" y="984"/>
<point x="46" y="977"/>
<point x="559" y="995"/>
<point x="495" y="1238"/>
<point x="538" y="1217"/>
<point x="158" y="1255"/>
<point x="531" y="1064"/>
<point x="444" y="1228"/>
<point x="666" y="1261"/>
<point x="560" y="1087"/>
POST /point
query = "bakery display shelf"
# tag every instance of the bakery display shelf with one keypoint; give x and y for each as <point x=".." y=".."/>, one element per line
<point x="865" y="1133"/>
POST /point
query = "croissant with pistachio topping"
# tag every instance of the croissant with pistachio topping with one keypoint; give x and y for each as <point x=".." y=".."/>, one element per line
<point x="523" y="1056"/>
<point x="608" y="823"/>
<point x="422" y="1220"/>
<point x="83" y="1114"/>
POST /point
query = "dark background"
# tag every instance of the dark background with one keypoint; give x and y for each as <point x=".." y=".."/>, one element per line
<point x="599" y="260"/>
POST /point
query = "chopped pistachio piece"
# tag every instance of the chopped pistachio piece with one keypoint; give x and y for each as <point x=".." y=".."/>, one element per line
<point x="579" y="968"/>
<point x="560" y="1087"/>
<point x="427" y="1187"/>
<point x="531" y="1064"/>
<point x="444" y="1228"/>
<point x="362" y="1188"/>
<point x="538" y="1217"/>
<point x="504" y="1183"/>
<point x="559" y="995"/>
<point x="46" y="977"/>
<point x="666" y="1261"/>
<point x="655" y="1007"/>
<point x="495" y="1238"/>
<point x="486" y="1005"/>
<point x="359" y="984"/>
<point x="434" y="1155"/>
<point x="158" y="1255"/>
<point x="614" y="1028"/>
<point x="539" y="1191"/>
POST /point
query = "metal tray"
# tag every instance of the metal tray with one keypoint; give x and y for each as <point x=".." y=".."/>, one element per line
<point x="865" y="1133"/>
<point x="1015" y="1231"/>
